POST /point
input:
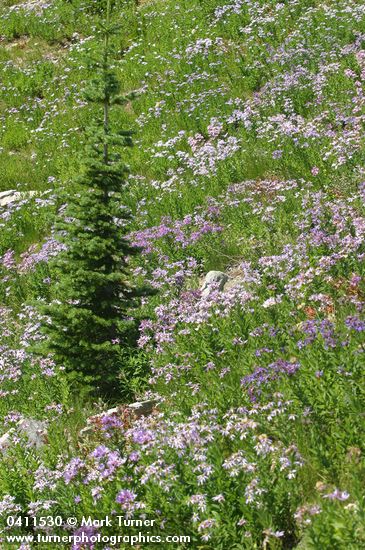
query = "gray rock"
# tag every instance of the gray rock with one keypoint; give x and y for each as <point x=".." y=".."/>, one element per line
<point x="5" y="442"/>
<point x="7" y="197"/>
<point x="137" y="409"/>
<point x="142" y="408"/>
<point x="87" y="431"/>
<point x="34" y="430"/>
<point x="214" y="280"/>
<point x="236" y="278"/>
<point x="35" y="6"/>
<point x="234" y="282"/>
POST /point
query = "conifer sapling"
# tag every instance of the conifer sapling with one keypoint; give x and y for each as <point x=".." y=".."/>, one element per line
<point x="87" y="323"/>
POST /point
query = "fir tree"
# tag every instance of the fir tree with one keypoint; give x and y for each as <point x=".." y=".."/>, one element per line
<point x="87" y="323"/>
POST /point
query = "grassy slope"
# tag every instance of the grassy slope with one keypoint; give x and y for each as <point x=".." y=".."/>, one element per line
<point x="283" y="84"/>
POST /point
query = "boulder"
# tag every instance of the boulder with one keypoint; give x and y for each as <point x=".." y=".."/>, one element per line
<point x="7" y="197"/>
<point x="34" y="430"/>
<point x="236" y="278"/>
<point x="142" y="408"/>
<point x="136" y="410"/>
<point x="214" y="280"/>
<point x="35" y="6"/>
<point x="5" y="442"/>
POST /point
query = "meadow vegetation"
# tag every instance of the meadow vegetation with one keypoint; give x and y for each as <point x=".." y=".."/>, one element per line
<point x="248" y="158"/>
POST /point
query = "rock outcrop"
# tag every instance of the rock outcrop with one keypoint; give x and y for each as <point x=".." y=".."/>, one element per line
<point x="214" y="280"/>
<point x="7" y="197"/>
<point x="132" y="411"/>
<point x="34" y="431"/>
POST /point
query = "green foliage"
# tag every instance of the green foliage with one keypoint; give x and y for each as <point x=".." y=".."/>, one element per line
<point x="87" y="321"/>
<point x="47" y="59"/>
